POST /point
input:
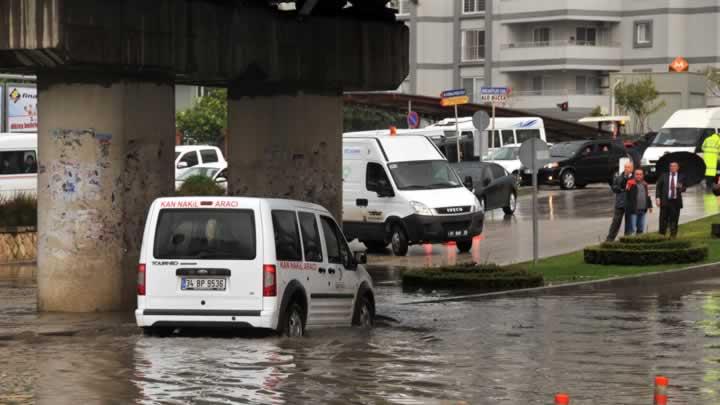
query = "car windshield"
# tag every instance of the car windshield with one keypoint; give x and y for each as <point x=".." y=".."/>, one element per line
<point x="424" y="175"/>
<point x="199" y="171"/>
<point x="506" y="153"/>
<point x="678" y="137"/>
<point x="565" y="150"/>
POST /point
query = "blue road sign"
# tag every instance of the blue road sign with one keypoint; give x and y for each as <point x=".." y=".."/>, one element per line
<point x="453" y="93"/>
<point x="413" y="119"/>
<point x="494" y="91"/>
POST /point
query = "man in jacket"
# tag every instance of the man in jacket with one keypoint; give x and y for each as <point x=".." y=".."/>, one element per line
<point x="637" y="202"/>
<point x="618" y="187"/>
<point x="668" y="196"/>
<point x="711" y="150"/>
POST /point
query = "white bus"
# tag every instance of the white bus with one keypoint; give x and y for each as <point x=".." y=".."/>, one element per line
<point x="18" y="164"/>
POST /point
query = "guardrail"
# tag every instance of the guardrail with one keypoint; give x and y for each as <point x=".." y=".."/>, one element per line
<point x="559" y="92"/>
<point x="567" y="42"/>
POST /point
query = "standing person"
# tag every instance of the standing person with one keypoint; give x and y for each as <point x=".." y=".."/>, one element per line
<point x="618" y="187"/>
<point x="668" y="195"/>
<point x="637" y="202"/>
<point x="711" y="150"/>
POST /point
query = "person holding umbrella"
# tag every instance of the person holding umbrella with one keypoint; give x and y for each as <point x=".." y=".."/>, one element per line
<point x="668" y="194"/>
<point x="711" y="150"/>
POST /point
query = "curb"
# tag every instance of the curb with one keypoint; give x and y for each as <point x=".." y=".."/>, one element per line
<point x="697" y="272"/>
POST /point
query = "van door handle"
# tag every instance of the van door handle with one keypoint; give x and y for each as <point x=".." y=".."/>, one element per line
<point x="331" y="271"/>
<point x="361" y="202"/>
<point x="321" y="270"/>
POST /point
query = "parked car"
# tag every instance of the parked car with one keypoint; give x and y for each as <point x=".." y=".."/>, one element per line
<point x="248" y="262"/>
<point x="189" y="156"/>
<point x="219" y="174"/>
<point x="578" y="163"/>
<point x="493" y="186"/>
<point x="508" y="157"/>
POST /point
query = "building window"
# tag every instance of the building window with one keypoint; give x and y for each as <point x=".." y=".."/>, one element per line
<point x="402" y="6"/>
<point x="473" y="6"/>
<point x="473" y="45"/>
<point x="586" y="36"/>
<point x="537" y="85"/>
<point x="472" y="87"/>
<point x="643" y="34"/>
<point x="541" y="36"/>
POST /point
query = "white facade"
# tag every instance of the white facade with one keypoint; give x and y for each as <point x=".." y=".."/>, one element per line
<point x="554" y="51"/>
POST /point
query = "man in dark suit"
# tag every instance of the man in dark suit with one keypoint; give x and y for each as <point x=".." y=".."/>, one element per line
<point x="668" y="194"/>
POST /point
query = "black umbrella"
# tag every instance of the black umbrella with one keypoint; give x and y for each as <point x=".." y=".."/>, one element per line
<point x="692" y="166"/>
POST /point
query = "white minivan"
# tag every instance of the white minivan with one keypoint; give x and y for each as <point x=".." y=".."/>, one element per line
<point x="684" y="131"/>
<point x="401" y="190"/>
<point x="248" y="262"/>
<point x="190" y="156"/>
<point x="18" y="164"/>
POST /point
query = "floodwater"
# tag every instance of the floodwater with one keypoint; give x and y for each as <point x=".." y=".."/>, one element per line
<point x="603" y="347"/>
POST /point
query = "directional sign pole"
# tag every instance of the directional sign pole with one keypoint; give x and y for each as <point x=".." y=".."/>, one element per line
<point x="534" y="205"/>
<point x="457" y="133"/>
<point x="493" y="123"/>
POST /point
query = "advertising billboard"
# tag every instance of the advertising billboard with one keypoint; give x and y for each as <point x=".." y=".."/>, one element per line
<point x="21" y="108"/>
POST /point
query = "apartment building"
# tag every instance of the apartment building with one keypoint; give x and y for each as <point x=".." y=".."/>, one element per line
<point x="553" y="51"/>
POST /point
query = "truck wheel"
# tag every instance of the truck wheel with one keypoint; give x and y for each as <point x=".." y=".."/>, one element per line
<point x="567" y="180"/>
<point x="364" y="313"/>
<point x="512" y="204"/>
<point x="294" y="321"/>
<point x="399" y="241"/>
<point x="464" y="246"/>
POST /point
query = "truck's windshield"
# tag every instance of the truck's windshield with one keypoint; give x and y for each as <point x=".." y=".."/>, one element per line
<point x="424" y="175"/>
<point x="681" y="136"/>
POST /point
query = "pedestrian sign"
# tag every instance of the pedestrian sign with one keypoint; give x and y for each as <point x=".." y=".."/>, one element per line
<point x="413" y="119"/>
<point x="451" y="98"/>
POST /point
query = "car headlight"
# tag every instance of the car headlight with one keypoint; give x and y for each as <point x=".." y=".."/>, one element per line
<point x="645" y="162"/>
<point x="420" y="208"/>
<point x="476" y="207"/>
<point x="552" y="165"/>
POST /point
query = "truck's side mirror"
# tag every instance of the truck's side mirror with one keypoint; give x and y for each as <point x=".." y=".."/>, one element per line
<point x="468" y="183"/>
<point x="384" y="189"/>
<point x="486" y="182"/>
<point x="182" y="165"/>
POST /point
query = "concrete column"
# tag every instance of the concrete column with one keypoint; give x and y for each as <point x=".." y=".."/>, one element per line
<point x="105" y="152"/>
<point x="287" y="146"/>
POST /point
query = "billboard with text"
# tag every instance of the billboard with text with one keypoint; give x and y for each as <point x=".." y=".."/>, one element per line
<point x="21" y="108"/>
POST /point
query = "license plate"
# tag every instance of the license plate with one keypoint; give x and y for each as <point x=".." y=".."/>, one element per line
<point x="652" y="169"/>
<point x="203" y="284"/>
<point x="453" y="234"/>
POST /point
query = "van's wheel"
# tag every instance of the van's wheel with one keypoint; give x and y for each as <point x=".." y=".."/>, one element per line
<point x="567" y="180"/>
<point x="512" y="204"/>
<point x="293" y="321"/>
<point x="364" y="314"/>
<point x="375" y="246"/>
<point x="464" y="246"/>
<point x="398" y="241"/>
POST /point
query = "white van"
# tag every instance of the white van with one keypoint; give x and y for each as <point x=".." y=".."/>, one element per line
<point x="401" y="190"/>
<point x="189" y="156"/>
<point x="508" y="131"/>
<point x="248" y="262"/>
<point x="684" y="131"/>
<point x="18" y="164"/>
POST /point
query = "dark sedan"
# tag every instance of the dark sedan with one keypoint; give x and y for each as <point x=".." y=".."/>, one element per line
<point x="492" y="184"/>
<point x="579" y="163"/>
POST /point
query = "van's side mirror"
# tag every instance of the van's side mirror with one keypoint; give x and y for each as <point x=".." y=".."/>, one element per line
<point x="182" y="165"/>
<point x="486" y="182"/>
<point x="384" y="189"/>
<point x="221" y="180"/>
<point x="360" y="257"/>
<point x="468" y="183"/>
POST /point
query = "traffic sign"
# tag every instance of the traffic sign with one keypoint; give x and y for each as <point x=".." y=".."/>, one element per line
<point x="534" y="153"/>
<point x="481" y="120"/>
<point x="454" y="97"/>
<point x="494" y="94"/>
<point x="413" y="119"/>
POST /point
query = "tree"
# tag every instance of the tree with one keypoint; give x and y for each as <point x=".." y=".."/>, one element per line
<point x="362" y="118"/>
<point x="597" y="112"/>
<point x="204" y="122"/>
<point x="713" y="78"/>
<point x="639" y="98"/>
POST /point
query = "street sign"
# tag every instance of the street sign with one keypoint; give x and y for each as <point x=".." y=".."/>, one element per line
<point x="413" y="119"/>
<point x="481" y="120"/>
<point x="494" y="94"/>
<point x="454" y="97"/>
<point x="534" y="153"/>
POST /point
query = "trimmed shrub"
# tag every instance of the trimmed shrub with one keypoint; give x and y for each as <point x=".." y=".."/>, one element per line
<point x="18" y="210"/>
<point x="200" y="185"/>
<point x="667" y="244"/>
<point x="645" y="238"/>
<point x="470" y="276"/>
<point x="645" y="257"/>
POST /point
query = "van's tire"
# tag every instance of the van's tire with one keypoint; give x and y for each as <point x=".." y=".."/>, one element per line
<point x="293" y="321"/>
<point x="364" y="313"/>
<point x="567" y="180"/>
<point x="464" y="246"/>
<point x="509" y="209"/>
<point x="375" y="246"/>
<point x="398" y="241"/>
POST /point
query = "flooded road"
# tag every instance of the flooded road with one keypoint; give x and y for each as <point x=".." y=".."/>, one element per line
<point x="568" y="221"/>
<point x="603" y="348"/>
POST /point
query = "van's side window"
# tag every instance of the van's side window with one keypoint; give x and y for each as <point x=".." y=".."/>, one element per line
<point x="376" y="178"/>
<point x="312" y="246"/>
<point x="209" y="155"/>
<point x="337" y="249"/>
<point x="18" y="162"/>
<point x="190" y="158"/>
<point x="525" y="134"/>
<point x="287" y="237"/>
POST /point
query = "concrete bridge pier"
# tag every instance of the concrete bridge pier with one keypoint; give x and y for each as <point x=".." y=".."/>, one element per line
<point x="286" y="146"/>
<point x="105" y="152"/>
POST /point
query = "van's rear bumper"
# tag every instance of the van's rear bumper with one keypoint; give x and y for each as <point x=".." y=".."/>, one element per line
<point x="204" y="318"/>
<point x="443" y="228"/>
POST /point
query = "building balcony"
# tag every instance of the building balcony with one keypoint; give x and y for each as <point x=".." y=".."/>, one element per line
<point x="524" y="11"/>
<point x="549" y="99"/>
<point x="559" y="55"/>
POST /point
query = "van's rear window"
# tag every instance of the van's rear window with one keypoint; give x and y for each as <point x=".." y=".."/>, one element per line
<point x="205" y="234"/>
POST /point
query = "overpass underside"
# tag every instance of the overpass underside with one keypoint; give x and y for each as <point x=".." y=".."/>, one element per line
<point x="106" y="74"/>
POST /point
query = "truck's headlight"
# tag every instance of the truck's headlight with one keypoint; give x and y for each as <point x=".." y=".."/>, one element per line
<point x="552" y="165"/>
<point x="420" y="208"/>
<point x="476" y="207"/>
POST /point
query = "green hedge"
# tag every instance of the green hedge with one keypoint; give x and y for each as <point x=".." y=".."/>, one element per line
<point x="662" y="245"/>
<point x="485" y="277"/>
<point x="18" y="210"/>
<point x="645" y="238"/>
<point x="200" y="186"/>
<point x="645" y="257"/>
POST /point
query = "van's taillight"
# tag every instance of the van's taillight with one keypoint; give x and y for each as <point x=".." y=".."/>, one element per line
<point x="269" y="281"/>
<point x="141" y="279"/>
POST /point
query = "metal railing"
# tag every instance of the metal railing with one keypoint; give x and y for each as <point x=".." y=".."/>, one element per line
<point x="561" y="43"/>
<point x="559" y="92"/>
